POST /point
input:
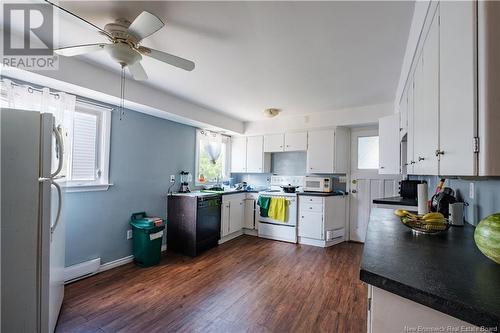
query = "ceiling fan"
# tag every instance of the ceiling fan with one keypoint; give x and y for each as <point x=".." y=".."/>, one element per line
<point x="124" y="44"/>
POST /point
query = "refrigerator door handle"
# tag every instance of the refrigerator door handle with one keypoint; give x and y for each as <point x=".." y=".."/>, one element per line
<point x="59" y="149"/>
<point x="59" y="207"/>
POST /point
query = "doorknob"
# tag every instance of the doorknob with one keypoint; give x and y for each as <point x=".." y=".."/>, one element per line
<point x="354" y="191"/>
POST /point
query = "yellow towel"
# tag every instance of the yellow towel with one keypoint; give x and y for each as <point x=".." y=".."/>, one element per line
<point x="277" y="209"/>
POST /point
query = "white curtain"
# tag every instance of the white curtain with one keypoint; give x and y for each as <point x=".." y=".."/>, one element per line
<point x="60" y="104"/>
<point x="212" y="144"/>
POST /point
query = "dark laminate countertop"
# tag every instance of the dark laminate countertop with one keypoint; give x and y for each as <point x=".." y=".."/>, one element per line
<point x="445" y="272"/>
<point x="396" y="201"/>
<point x="321" y="194"/>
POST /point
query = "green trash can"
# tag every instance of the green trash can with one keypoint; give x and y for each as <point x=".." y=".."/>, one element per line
<point x="147" y="237"/>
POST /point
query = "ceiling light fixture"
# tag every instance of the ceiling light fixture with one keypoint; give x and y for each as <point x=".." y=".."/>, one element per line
<point x="271" y="112"/>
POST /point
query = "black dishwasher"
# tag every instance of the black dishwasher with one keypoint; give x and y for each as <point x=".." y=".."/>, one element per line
<point x="207" y="222"/>
<point x="193" y="223"/>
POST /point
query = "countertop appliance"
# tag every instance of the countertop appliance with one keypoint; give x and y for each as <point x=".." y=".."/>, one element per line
<point x="441" y="201"/>
<point x="318" y="184"/>
<point x="193" y="222"/>
<point x="32" y="231"/>
<point x="408" y="188"/>
<point x="185" y="179"/>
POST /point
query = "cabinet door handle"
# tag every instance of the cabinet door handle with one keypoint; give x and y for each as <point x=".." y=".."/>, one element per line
<point x="354" y="191"/>
<point x="420" y="158"/>
<point x="382" y="167"/>
<point x="439" y="152"/>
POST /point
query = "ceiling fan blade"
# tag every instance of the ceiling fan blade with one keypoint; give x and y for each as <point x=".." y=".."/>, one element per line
<point x="169" y="59"/>
<point x="137" y="71"/>
<point x="79" y="49"/>
<point x="102" y="31"/>
<point x="145" y="25"/>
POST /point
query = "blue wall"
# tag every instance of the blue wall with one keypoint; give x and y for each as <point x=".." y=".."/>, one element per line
<point x="145" y="151"/>
<point x="486" y="195"/>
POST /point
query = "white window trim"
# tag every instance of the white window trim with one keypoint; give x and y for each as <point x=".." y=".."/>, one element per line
<point x="103" y="183"/>
<point x="227" y="141"/>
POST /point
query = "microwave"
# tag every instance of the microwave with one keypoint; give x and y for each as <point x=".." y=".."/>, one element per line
<point x="318" y="184"/>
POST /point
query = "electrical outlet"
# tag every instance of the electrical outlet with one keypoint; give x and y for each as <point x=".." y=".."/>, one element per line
<point x="471" y="191"/>
<point x="129" y="234"/>
<point x="172" y="178"/>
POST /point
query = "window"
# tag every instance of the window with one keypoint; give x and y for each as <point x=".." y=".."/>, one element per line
<point x="368" y="152"/>
<point x="88" y="164"/>
<point x="212" y="151"/>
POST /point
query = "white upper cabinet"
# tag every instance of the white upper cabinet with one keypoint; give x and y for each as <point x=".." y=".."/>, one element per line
<point x="328" y="151"/>
<point x="257" y="161"/>
<point x="410" y="158"/>
<point x="388" y="129"/>
<point x="457" y="89"/>
<point x="426" y="112"/>
<point x="320" y="151"/>
<point x="296" y="141"/>
<point x="273" y="143"/>
<point x="238" y="154"/>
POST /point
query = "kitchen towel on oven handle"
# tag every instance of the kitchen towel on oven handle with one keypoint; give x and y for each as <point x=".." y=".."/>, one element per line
<point x="263" y="203"/>
<point x="277" y="209"/>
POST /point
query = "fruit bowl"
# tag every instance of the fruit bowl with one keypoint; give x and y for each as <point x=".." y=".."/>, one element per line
<point x="430" y="224"/>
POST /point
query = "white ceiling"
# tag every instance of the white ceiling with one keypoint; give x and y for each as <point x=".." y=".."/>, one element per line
<point x="302" y="57"/>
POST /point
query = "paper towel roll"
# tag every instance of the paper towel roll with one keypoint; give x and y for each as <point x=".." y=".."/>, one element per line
<point x="422" y="197"/>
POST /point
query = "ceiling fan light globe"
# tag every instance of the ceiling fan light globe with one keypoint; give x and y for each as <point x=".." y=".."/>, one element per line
<point x="123" y="54"/>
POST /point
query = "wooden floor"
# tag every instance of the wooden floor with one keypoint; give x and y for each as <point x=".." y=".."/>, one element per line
<point x="246" y="285"/>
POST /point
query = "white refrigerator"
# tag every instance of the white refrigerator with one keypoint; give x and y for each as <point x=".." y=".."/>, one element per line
<point x="32" y="230"/>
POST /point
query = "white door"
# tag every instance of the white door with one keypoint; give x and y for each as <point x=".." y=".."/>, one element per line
<point x="237" y="211"/>
<point x="225" y="209"/>
<point x="273" y="143"/>
<point x="255" y="153"/>
<point x="320" y="151"/>
<point x="296" y="141"/>
<point x="366" y="184"/>
<point x="249" y="213"/>
<point x="238" y="154"/>
<point x="457" y="90"/>
<point x="389" y="158"/>
<point x="311" y="225"/>
<point x="427" y="114"/>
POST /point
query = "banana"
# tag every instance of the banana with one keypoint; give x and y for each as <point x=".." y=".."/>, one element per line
<point x="401" y="212"/>
<point x="432" y="216"/>
<point x="438" y="220"/>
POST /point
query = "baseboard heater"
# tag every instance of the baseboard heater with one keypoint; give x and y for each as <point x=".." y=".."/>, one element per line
<point x="91" y="267"/>
<point x="82" y="270"/>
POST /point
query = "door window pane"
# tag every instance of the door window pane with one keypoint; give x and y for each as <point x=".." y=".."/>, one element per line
<point x="368" y="152"/>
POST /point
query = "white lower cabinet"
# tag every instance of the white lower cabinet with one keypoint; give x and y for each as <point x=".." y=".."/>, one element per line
<point x="250" y="211"/>
<point x="321" y="220"/>
<point x="311" y="225"/>
<point x="232" y="213"/>
<point x="388" y="312"/>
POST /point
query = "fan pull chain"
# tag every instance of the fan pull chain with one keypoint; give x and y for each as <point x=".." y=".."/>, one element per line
<point x="122" y="92"/>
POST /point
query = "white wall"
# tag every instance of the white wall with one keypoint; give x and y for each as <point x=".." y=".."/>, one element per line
<point x="79" y="77"/>
<point x="364" y="115"/>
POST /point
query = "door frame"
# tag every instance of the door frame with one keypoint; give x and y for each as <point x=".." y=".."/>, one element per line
<point x="354" y="173"/>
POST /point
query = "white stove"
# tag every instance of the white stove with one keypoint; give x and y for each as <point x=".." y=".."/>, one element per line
<point x="281" y="230"/>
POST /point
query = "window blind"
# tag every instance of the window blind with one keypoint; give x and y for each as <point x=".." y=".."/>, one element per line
<point x="84" y="157"/>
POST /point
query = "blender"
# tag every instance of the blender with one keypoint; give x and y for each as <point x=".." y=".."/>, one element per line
<point x="185" y="179"/>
